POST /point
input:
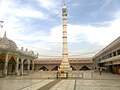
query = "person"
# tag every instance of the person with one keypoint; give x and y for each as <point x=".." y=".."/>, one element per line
<point x="100" y="70"/>
<point x="59" y="70"/>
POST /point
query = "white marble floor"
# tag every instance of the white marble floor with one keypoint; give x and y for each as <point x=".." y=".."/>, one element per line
<point x="105" y="81"/>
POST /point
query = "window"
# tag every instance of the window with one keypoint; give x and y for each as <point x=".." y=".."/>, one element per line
<point x="118" y="52"/>
<point x="110" y="55"/>
<point x="114" y="53"/>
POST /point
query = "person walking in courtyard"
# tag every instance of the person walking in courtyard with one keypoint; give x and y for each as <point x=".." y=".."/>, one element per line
<point x="100" y="71"/>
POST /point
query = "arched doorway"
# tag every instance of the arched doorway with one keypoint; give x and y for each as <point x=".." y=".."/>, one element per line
<point x="55" y="68"/>
<point x="25" y="64"/>
<point x="2" y="62"/>
<point x="11" y="66"/>
<point x="73" y="69"/>
<point x="43" y="68"/>
<point x="30" y="64"/>
<point x="20" y="62"/>
<point x="84" y="68"/>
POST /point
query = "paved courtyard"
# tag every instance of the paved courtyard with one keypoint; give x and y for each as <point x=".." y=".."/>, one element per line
<point x="106" y="81"/>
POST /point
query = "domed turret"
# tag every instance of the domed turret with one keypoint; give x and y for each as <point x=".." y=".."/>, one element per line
<point x="64" y="10"/>
<point x="64" y="7"/>
<point x="7" y="43"/>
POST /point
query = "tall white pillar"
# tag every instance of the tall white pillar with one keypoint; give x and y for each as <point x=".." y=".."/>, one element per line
<point x="65" y="63"/>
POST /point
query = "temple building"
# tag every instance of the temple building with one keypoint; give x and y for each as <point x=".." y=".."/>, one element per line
<point x="52" y="64"/>
<point x="14" y="61"/>
<point x="109" y="57"/>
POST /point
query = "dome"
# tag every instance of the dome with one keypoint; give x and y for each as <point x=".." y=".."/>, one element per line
<point x="64" y="7"/>
<point x="7" y="43"/>
<point x="31" y="52"/>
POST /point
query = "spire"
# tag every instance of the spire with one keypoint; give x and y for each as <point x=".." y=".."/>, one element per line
<point x="64" y="4"/>
<point x="5" y="34"/>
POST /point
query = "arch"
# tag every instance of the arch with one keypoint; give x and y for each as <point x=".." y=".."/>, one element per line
<point x="2" y="63"/>
<point x="31" y="62"/>
<point x="20" y="62"/>
<point x="55" y="68"/>
<point x="84" y="68"/>
<point x="43" y="68"/>
<point x="25" y="64"/>
<point x="11" y="66"/>
<point x="2" y="56"/>
<point x="73" y="69"/>
<point x="10" y="57"/>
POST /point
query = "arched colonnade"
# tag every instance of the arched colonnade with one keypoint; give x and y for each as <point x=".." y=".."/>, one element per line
<point x="16" y="63"/>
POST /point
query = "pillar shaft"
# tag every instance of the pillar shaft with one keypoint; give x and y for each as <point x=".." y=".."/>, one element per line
<point x="6" y="65"/>
<point x="65" y="48"/>
<point x="21" y="68"/>
<point x="28" y="66"/>
<point x="32" y="65"/>
<point x="17" y="64"/>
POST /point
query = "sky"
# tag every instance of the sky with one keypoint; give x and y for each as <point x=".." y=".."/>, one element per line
<point x="37" y="25"/>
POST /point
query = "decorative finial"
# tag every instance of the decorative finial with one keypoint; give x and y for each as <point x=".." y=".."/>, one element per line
<point x="63" y="2"/>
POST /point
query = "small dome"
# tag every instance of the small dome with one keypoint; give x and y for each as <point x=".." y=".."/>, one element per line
<point x="7" y="43"/>
<point x="64" y="7"/>
<point x="31" y="52"/>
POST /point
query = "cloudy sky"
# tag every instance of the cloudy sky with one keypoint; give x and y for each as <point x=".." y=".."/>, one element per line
<point x="37" y="25"/>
